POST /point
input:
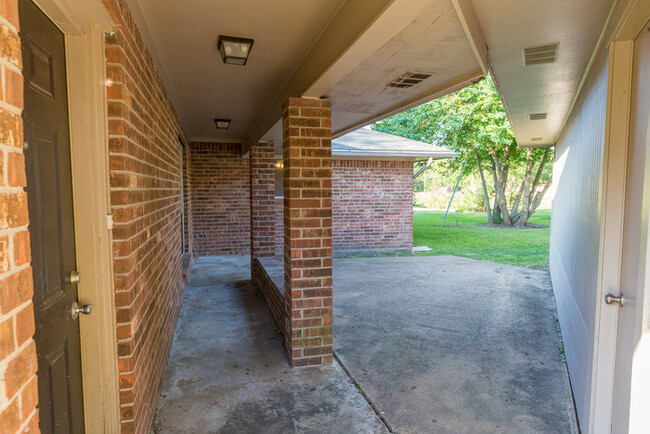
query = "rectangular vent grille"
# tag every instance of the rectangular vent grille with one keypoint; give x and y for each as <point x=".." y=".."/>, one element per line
<point x="409" y="79"/>
<point x="537" y="139"/>
<point x="540" y="54"/>
<point x="537" y="116"/>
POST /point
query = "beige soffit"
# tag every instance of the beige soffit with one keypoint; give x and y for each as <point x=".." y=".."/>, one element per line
<point x="510" y="26"/>
<point x="342" y="49"/>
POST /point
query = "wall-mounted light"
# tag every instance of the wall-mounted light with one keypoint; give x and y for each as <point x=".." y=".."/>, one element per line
<point x="234" y="50"/>
<point x="279" y="164"/>
<point x="222" y="124"/>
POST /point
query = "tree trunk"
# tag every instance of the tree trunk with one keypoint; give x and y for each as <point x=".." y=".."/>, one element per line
<point x="540" y="195"/>
<point x="525" y="205"/>
<point x="499" y="191"/>
<point x="485" y="192"/>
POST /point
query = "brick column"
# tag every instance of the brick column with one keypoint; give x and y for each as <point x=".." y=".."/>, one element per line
<point x="262" y="178"/>
<point x="307" y="147"/>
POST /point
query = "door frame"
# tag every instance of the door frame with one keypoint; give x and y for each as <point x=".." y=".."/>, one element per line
<point x="84" y="24"/>
<point x="613" y="192"/>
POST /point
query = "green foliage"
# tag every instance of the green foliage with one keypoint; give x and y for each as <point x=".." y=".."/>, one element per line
<point x="471" y="121"/>
<point x="523" y="247"/>
<point x="471" y="117"/>
<point x="469" y="196"/>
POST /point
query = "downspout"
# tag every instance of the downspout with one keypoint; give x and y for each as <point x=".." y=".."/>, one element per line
<point x="421" y="171"/>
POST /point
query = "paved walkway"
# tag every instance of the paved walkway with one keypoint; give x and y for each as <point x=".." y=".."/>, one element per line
<point x="227" y="371"/>
<point x="438" y="344"/>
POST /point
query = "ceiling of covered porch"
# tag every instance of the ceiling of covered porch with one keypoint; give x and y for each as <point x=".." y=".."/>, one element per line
<point x="351" y="50"/>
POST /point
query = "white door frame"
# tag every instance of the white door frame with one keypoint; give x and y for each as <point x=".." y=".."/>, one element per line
<point x="619" y="91"/>
<point x="84" y="23"/>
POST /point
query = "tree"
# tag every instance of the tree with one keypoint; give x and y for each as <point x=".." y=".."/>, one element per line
<point x="473" y="122"/>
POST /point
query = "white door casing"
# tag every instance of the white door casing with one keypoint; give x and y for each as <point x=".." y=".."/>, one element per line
<point x="632" y="363"/>
<point x="624" y="216"/>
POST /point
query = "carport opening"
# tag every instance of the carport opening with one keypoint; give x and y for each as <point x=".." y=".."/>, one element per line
<point x="470" y="320"/>
<point x="469" y="328"/>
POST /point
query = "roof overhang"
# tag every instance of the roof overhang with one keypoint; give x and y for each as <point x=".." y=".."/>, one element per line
<point x="350" y="50"/>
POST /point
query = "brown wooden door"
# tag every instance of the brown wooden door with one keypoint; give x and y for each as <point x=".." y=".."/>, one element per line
<point x="51" y="227"/>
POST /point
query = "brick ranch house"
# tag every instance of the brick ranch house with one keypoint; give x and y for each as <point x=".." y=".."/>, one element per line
<point x="372" y="194"/>
<point x="105" y="115"/>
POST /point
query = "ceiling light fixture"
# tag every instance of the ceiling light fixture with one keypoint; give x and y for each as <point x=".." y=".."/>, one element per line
<point x="234" y="50"/>
<point x="222" y="124"/>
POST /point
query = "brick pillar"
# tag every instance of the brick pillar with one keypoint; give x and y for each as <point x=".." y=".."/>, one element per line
<point x="307" y="151"/>
<point x="262" y="178"/>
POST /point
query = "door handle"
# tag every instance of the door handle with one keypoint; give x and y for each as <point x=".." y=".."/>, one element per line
<point x="74" y="277"/>
<point x="612" y="299"/>
<point x="75" y="309"/>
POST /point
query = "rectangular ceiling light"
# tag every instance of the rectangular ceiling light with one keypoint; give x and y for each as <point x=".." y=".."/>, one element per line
<point x="540" y="54"/>
<point x="537" y="116"/>
<point x="222" y="124"/>
<point x="234" y="50"/>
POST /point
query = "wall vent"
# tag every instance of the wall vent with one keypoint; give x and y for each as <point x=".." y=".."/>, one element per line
<point x="537" y="116"/>
<point x="537" y="139"/>
<point x="409" y="79"/>
<point x="540" y="54"/>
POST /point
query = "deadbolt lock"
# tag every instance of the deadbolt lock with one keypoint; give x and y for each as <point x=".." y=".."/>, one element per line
<point x="75" y="309"/>
<point x="74" y="277"/>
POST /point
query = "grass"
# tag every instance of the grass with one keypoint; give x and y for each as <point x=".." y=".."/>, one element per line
<point x="523" y="247"/>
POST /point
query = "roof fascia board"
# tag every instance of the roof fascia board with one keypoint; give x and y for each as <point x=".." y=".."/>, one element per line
<point x="397" y="15"/>
<point x="356" y="32"/>
<point x="473" y="31"/>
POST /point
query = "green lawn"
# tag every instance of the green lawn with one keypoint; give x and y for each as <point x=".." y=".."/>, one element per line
<point x="524" y="247"/>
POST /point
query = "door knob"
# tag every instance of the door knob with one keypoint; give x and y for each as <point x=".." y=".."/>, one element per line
<point x="74" y="277"/>
<point x="612" y="299"/>
<point x="75" y="309"/>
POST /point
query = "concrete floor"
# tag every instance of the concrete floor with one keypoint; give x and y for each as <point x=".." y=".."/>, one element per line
<point x="438" y="344"/>
<point x="453" y="345"/>
<point x="227" y="371"/>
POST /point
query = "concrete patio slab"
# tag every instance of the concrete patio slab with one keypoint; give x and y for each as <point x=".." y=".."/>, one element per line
<point x="227" y="371"/>
<point x="445" y="344"/>
<point x="438" y="344"/>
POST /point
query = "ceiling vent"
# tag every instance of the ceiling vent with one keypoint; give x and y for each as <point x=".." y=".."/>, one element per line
<point x="540" y="54"/>
<point x="409" y="79"/>
<point x="536" y="139"/>
<point x="537" y="116"/>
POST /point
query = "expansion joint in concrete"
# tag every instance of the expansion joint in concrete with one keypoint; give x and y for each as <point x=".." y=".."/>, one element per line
<point x="365" y="396"/>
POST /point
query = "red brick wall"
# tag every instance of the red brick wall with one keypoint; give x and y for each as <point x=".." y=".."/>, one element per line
<point x="263" y="226"/>
<point x="279" y="226"/>
<point x="221" y="199"/>
<point x="273" y="295"/>
<point x="262" y="196"/>
<point x="18" y="364"/>
<point x="372" y="204"/>
<point x="187" y="199"/>
<point x="145" y="199"/>
<point x="307" y="152"/>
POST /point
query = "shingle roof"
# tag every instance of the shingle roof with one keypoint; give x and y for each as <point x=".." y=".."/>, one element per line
<point x="365" y="142"/>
